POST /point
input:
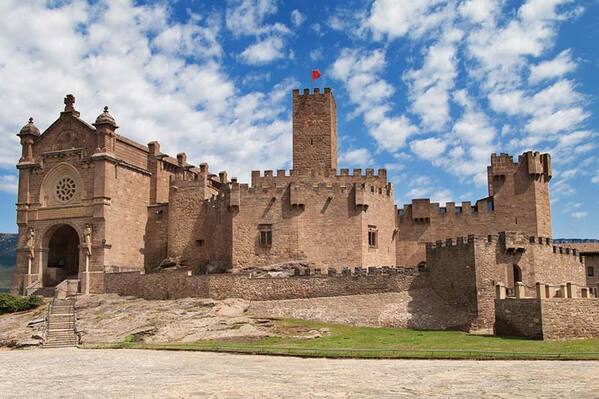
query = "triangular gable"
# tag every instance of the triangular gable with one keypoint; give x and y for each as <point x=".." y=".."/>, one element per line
<point x="65" y="133"/>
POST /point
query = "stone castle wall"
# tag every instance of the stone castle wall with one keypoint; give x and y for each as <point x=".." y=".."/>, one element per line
<point x="314" y="130"/>
<point x="552" y="318"/>
<point x="174" y="285"/>
<point x="518" y="201"/>
<point x="465" y="271"/>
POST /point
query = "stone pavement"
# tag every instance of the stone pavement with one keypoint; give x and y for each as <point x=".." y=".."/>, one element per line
<point x="77" y="373"/>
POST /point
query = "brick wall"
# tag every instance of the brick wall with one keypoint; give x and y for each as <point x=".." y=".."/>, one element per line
<point x="220" y="286"/>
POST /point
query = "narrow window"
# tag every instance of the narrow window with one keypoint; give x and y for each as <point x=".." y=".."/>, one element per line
<point x="200" y="243"/>
<point x="265" y="235"/>
<point x="311" y="142"/>
<point x="590" y="271"/>
<point x="372" y="237"/>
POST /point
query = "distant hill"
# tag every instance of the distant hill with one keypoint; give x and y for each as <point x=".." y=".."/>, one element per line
<point x="575" y="240"/>
<point x="8" y="258"/>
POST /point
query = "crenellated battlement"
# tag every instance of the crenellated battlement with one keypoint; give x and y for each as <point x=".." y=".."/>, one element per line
<point x="283" y="177"/>
<point x="537" y="165"/>
<point x="315" y="92"/>
<point x="511" y="241"/>
<point x="422" y="210"/>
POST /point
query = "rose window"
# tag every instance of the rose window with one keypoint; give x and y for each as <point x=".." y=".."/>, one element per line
<point x="65" y="189"/>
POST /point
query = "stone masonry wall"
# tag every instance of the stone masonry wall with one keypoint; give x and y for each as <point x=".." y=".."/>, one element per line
<point x="314" y="130"/>
<point x="518" y="318"/>
<point x="518" y="201"/>
<point x="465" y="271"/>
<point x="321" y="224"/>
<point x="565" y="318"/>
<point x="156" y="236"/>
<point x="553" y="318"/>
<point x="127" y="218"/>
<point x="452" y="272"/>
<point x="174" y="285"/>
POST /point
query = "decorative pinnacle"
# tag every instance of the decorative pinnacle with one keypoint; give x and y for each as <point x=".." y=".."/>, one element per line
<point x="31" y="119"/>
<point x="106" y="108"/>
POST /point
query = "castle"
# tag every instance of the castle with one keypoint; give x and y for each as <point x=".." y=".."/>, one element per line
<point x="93" y="204"/>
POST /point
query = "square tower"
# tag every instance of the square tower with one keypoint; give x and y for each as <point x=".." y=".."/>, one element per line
<point x="314" y="130"/>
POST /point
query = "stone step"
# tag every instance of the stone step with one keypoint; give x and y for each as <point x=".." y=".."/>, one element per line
<point x="68" y="345"/>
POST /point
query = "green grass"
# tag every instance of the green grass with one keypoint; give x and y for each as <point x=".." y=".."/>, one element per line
<point x="13" y="303"/>
<point x="367" y="342"/>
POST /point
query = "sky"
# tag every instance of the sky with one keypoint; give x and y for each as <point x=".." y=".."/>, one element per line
<point x="425" y="88"/>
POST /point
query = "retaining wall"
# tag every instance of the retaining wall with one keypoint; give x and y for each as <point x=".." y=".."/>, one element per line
<point x="175" y="285"/>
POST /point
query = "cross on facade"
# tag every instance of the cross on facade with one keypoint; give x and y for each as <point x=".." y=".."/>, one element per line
<point x="69" y="100"/>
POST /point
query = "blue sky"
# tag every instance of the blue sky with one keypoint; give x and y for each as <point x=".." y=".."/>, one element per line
<point x="428" y="89"/>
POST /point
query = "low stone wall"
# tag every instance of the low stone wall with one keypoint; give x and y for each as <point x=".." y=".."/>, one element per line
<point x="175" y="285"/>
<point x="570" y="318"/>
<point x="552" y="318"/>
<point x="518" y="318"/>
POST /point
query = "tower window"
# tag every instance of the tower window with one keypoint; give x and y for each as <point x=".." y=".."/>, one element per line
<point x="311" y="142"/>
<point x="590" y="271"/>
<point x="372" y="237"/>
<point x="265" y="235"/>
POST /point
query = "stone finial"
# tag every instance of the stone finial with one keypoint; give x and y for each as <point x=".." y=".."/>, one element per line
<point x="105" y="119"/>
<point x="69" y="102"/>
<point x="29" y="128"/>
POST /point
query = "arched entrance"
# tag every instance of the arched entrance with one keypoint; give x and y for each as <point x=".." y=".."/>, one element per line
<point x="517" y="274"/>
<point x="63" y="255"/>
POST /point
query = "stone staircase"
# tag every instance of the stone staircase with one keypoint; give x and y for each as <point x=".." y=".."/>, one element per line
<point x="60" y="324"/>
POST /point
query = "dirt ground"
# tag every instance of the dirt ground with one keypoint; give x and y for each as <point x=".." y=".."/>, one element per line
<point x="78" y="373"/>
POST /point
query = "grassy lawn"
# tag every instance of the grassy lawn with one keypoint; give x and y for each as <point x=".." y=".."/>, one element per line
<point x="368" y="342"/>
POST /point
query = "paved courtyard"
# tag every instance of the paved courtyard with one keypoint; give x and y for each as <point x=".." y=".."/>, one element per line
<point x="76" y="373"/>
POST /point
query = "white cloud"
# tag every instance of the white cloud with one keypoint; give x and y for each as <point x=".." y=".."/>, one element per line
<point x="564" y="119"/>
<point x="191" y="39"/>
<point x="369" y="93"/>
<point x="8" y="184"/>
<point x="356" y="157"/>
<point x="501" y="51"/>
<point x="246" y="17"/>
<point x="559" y="66"/>
<point x="430" y="85"/>
<point x="265" y="51"/>
<point x="152" y="86"/>
<point x="479" y="11"/>
<point x="397" y="18"/>
<point x="429" y="149"/>
<point x="297" y="18"/>
<point x="316" y="55"/>
<point x="579" y="215"/>
<point x="423" y="187"/>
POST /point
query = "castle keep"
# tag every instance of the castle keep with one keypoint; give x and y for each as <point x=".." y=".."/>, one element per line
<point x="102" y="210"/>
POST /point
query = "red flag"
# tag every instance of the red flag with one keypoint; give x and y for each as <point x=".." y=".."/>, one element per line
<point x="315" y="74"/>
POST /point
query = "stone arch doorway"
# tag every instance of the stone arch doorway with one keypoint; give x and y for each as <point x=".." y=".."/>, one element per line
<point x="63" y="255"/>
<point x="517" y="274"/>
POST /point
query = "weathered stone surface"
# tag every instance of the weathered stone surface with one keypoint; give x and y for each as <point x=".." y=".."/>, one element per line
<point x="167" y="374"/>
